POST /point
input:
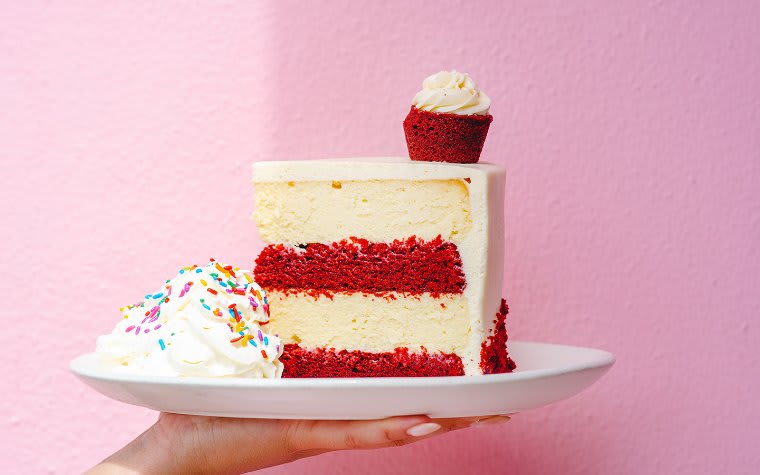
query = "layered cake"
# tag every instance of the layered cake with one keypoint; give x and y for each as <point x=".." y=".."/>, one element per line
<point x="371" y="267"/>
<point x="383" y="267"/>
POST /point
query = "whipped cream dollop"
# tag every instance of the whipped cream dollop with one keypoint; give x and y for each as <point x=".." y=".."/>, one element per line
<point x="451" y="92"/>
<point x="207" y="321"/>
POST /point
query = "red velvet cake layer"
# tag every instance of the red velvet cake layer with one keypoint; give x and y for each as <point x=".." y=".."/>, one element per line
<point x="329" y="363"/>
<point x="493" y="352"/>
<point x="410" y="266"/>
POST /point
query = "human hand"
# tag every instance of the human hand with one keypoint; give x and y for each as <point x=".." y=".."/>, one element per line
<point x="196" y="444"/>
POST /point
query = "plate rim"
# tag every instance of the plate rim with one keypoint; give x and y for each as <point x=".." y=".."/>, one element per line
<point x="604" y="359"/>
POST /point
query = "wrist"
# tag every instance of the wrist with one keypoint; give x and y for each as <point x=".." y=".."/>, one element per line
<point x="148" y="453"/>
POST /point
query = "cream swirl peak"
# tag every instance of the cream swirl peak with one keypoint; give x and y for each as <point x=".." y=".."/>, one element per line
<point x="451" y="92"/>
<point x="207" y="321"/>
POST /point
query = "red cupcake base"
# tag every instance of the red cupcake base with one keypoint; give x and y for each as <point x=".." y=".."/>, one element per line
<point x="440" y="137"/>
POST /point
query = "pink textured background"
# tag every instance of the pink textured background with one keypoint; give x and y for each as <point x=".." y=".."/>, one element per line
<point x="631" y="131"/>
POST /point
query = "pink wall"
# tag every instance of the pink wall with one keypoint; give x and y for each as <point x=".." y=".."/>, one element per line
<point x="631" y="131"/>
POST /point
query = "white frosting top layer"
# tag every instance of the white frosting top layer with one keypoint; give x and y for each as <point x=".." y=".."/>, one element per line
<point x="481" y="250"/>
<point x="366" y="168"/>
<point x="451" y="92"/>
<point x="207" y="321"/>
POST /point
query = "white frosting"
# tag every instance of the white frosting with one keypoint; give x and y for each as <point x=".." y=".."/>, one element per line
<point x="481" y="250"/>
<point x="451" y="92"/>
<point x="185" y="329"/>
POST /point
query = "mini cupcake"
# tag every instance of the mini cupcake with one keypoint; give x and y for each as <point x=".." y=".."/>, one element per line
<point x="449" y="120"/>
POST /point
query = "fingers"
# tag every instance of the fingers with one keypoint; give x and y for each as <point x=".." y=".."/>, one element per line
<point x="491" y="420"/>
<point x="307" y="436"/>
<point x="452" y="424"/>
<point x="343" y="435"/>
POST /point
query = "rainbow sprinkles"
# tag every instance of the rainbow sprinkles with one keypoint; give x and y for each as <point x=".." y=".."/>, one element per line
<point x="208" y="321"/>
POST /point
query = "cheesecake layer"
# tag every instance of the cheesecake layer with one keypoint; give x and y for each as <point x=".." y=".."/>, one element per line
<point x="327" y="363"/>
<point x="300" y="212"/>
<point x="411" y="266"/>
<point x="370" y="323"/>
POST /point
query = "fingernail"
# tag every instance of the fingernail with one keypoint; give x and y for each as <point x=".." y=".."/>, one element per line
<point x="421" y="430"/>
<point x="490" y="421"/>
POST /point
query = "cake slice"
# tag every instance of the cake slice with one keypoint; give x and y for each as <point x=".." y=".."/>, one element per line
<point x="383" y="267"/>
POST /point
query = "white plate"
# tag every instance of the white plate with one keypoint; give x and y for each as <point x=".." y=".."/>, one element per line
<point x="545" y="373"/>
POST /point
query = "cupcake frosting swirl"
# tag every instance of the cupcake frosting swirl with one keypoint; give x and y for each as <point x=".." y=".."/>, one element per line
<point x="451" y="92"/>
